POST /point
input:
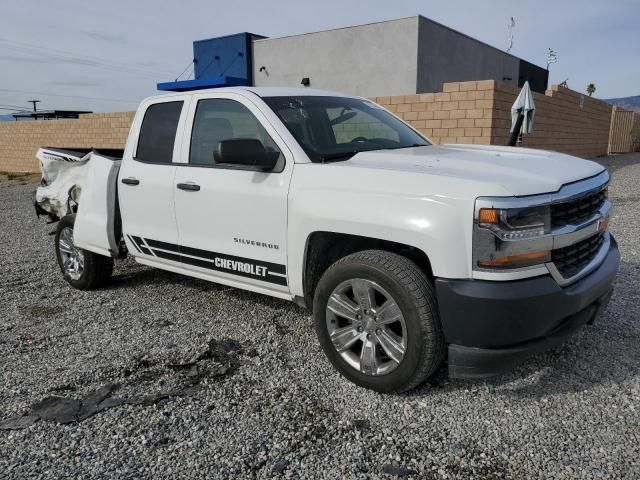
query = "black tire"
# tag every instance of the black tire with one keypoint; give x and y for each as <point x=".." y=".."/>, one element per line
<point x="415" y="297"/>
<point x="97" y="268"/>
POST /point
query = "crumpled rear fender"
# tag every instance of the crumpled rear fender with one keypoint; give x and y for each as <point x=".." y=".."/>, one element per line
<point x="62" y="180"/>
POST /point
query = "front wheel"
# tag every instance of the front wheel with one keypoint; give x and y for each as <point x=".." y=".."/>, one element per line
<point x="82" y="269"/>
<point x="377" y="321"/>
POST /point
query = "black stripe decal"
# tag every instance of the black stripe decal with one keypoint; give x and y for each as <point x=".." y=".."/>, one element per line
<point x="133" y="242"/>
<point x="137" y="241"/>
<point x="168" y="256"/>
<point x="163" y="245"/>
<point x="240" y="266"/>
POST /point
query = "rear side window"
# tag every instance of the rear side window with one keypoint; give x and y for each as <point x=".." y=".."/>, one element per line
<point x="158" y="132"/>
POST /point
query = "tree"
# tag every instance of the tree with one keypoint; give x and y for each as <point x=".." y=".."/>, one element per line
<point x="591" y="89"/>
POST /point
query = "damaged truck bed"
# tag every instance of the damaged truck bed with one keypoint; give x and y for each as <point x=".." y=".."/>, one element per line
<point x="65" y="173"/>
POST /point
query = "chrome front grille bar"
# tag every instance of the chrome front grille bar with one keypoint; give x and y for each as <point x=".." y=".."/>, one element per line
<point x="557" y="238"/>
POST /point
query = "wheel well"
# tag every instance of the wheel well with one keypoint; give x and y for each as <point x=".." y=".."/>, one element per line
<point x="73" y="199"/>
<point x="325" y="248"/>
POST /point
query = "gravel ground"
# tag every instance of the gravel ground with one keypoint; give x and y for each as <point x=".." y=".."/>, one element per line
<point x="222" y="383"/>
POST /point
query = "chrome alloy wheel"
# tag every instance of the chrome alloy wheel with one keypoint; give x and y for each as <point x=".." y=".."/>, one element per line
<point x="72" y="258"/>
<point x="366" y="327"/>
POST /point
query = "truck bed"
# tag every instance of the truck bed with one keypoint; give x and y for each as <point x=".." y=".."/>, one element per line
<point x="78" y="154"/>
<point x="76" y="177"/>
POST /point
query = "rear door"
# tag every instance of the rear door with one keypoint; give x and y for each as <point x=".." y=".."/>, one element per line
<point x="232" y="224"/>
<point x="145" y="183"/>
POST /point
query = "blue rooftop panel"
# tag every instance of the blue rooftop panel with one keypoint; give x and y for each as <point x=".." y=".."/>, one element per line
<point x="218" y="62"/>
<point x="201" y="83"/>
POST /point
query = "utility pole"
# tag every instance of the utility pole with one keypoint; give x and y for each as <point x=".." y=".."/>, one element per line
<point x="552" y="57"/>
<point x="34" y="104"/>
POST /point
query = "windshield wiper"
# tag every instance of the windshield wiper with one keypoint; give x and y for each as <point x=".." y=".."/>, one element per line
<point x="339" y="155"/>
<point x="410" y="146"/>
<point x="347" y="155"/>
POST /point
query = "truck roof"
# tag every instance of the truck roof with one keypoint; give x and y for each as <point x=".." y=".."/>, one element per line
<point x="263" y="92"/>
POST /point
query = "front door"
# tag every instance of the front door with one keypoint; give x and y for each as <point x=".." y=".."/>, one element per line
<point x="232" y="222"/>
<point x="146" y="178"/>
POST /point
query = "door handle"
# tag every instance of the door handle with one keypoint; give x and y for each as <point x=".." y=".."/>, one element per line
<point x="189" y="187"/>
<point x="130" y="181"/>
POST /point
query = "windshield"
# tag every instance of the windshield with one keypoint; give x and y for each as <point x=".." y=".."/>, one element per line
<point x="336" y="128"/>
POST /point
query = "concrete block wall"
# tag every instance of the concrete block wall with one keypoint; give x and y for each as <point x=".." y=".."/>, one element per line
<point x="461" y="113"/>
<point x="477" y="112"/>
<point x="19" y="141"/>
<point x="565" y="121"/>
<point x="480" y="112"/>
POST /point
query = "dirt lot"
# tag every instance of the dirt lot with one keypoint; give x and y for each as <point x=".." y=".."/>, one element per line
<point x="204" y="381"/>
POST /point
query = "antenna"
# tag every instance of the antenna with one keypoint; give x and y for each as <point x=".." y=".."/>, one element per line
<point x="552" y="57"/>
<point x="512" y="26"/>
<point x="34" y="103"/>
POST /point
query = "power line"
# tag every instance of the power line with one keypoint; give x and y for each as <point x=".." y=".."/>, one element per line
<point x="82" y="56"/>
<point x="90" y="61"/>
<point x="13" y="106"/>
<point x="45" y="94"/>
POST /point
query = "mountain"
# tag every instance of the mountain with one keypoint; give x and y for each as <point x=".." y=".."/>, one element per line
<point x="630" y="103"/>
<point x="6" y="118"/>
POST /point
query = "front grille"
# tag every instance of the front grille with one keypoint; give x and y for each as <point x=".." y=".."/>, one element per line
<point x="572" y="259"/>
<point x="577" y="211"/>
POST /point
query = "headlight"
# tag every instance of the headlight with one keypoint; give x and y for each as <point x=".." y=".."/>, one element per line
<point x="508" y="238"/>
<point x="516" y="223"/>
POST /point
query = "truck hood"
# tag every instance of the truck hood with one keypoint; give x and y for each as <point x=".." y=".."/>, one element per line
<point x="521" y="171"/>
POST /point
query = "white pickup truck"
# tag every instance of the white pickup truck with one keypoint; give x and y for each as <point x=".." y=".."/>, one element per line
<point x="407" y="252"/>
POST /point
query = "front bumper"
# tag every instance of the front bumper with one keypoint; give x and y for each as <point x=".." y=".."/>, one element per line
<point x="492" y="326"/>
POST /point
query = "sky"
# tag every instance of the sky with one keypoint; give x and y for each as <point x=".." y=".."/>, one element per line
<point x="108" y="55"/>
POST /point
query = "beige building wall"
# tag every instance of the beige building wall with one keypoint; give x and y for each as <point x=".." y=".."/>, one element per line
<point x="19" y="141"/>
<point x="565" y="121"/>
<point x="461" y="113"/>
<point x="480" y="112"/>
<point x="477" y="112"/>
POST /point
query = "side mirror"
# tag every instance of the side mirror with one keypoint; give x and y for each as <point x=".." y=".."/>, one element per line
<point x="245" y="152"/>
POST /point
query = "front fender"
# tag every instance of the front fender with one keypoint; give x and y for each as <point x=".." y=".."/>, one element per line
<point x="441" y="228"/>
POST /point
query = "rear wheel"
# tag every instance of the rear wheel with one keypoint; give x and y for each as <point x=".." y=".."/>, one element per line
<point x="82" y="269"/>
<point x="377" y="320"/>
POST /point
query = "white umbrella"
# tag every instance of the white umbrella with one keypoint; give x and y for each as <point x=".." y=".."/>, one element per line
<point x="523" y="106"/>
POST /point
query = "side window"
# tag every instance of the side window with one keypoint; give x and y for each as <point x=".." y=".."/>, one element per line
<point x="158" y="132"/>
<point x="219" y="119"/>
<point x="348" y="124"/>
